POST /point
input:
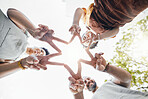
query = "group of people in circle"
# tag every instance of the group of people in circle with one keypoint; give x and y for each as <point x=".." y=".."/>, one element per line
<point x="102" y="19"/>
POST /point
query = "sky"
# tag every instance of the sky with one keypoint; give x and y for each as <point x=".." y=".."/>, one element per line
<point x="53" y="83"/>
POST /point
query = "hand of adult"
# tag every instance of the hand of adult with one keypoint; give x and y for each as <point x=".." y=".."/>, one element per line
<point x="76" y="86"/>
<point x="46" y="34"/>
<point x="41" y="31"/>
<point x="75" y="31"/>
<point x="32" y="62"/>
<point x="39" y="62"/>
<point x="101" y="62"/>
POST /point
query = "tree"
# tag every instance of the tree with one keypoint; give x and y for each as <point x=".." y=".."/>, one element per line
<point x="138" y="67"/>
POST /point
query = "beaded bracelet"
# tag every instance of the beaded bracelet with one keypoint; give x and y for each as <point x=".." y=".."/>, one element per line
<point x="106" y="68"/>
<point x="20" y="65"/>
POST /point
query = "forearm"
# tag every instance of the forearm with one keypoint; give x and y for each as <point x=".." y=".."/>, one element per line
<point x="77" y="16"/>
<point x="122" y="75"/>
<point x="21" y="20"/>
<point x="8" y="68"/>
<point x="79" y="95"/>
<point x="109" y="33"/>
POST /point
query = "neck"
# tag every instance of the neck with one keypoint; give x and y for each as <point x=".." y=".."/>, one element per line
<point x="95" y="89"/>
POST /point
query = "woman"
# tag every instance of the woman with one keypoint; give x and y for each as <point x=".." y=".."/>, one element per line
<point x="13" y="42"/>
<point x="105" y="17"/>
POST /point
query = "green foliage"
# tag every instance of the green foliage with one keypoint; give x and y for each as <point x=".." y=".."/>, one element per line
<point x="138" y="68"/>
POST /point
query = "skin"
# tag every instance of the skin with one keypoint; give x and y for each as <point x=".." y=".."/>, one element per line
<point x="35" y="51"/>
<point x="75" y="29"/>
<point x="42" y="33"/>
<point x="93" y="25"/>
<point x="89" y="83"/>
<point x="76" y="82"/>
<point x="121" y="76"/>
<point x="31" y="62"/>
<point x="94" y="59"/>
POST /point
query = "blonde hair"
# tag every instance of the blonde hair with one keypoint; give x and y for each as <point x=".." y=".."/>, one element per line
<point x="87" y="13"/>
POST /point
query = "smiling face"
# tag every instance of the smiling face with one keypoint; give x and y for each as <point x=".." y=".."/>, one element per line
<point x="35" y="51"/>
<point x="90" y="84"/>
<point x="86" y="38"/>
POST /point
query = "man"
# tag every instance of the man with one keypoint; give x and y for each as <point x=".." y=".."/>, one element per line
<point x="115" y="89"/>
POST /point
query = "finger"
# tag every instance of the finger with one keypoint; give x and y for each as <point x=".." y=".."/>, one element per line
<point x="78" y="29"/>
<point x="71" y="28"/>
<point x="55" y="63"/>
<point x="60" y="40"/>
<point x="33" y="67"/>
<point x="30" y="59"/>
<point x="42" y="26"/>
<point x="72" y="38"/>
<point x="42" y="66"/>
<point x="70" y="70"/>
<point x="71" y="79"/>
<point x="86" y="62"/>
<point x="54" y="46"/>
<point x="73" y="91"/>
<point x="53" y="55"/>
<point x="79" y="70"/>
<point x="80" y="38"/>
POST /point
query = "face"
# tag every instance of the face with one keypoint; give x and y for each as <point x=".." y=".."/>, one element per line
<point x="35" y="51"/>
<point x="87" y="36"/>
<point x="90" y="84"/>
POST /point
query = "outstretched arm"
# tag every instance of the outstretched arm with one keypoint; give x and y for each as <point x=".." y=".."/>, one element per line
<point x="21" y="20"/>
<point x="77" y="16"/>
<point x="75" y="29"/>
<point x="122" y="77"/>
<point x="89" y="53"/>
<point x="109" y="33"/>
<point x="8" y="68"/>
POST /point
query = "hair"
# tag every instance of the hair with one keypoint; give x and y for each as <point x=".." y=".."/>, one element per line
<point x="46" y="51"/>
<point x="87" y="13"/>
<point x="92" y="46"/>
<point x="99" y="23"/>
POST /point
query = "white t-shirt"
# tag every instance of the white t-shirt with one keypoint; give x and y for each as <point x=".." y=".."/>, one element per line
<point x="109" y="90"/>
<point x="13" y="41"/>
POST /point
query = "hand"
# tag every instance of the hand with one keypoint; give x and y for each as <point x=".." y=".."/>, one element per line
<point x="39" y="62"/>
<point x="76" y="86"/>
<point x="32" y="62"/>
<point x="41" y="31"/>
<point x="45" y="34"/>
<point x="101" y="62"/>
<point x="44" y="60"/>
<point x="75" y="29"/>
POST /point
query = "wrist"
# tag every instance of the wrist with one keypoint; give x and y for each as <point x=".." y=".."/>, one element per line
<point x="20" y="64"/>
<point x="75" y="22"/>
<point x="32" y="32"/>
<point x="106" y="67"/>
